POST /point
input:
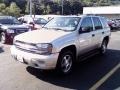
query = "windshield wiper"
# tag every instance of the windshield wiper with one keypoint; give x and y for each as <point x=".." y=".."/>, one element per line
<point x="53" y="28"/>
<point x="61" y="29"/>
<point x="57" y="29"/>
<point x="45" y="27"/>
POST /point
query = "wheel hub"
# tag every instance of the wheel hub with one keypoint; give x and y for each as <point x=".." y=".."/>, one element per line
<point x="66" y="63"/>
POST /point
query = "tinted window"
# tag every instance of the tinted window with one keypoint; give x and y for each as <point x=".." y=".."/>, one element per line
<point x="97" y="23"/>
<point x="40" y="21"/>
<point x="105" y="22"/>
<point x="9" y="20"/>
<point x="63" y="23"/>
<point x="87" y="24"/>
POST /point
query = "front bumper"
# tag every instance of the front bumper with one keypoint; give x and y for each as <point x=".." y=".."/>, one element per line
<point x="35" y="60"/>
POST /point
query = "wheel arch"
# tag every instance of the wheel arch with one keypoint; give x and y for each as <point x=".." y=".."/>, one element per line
<point x="107" y="39"/>
<point x="71" y="48"/>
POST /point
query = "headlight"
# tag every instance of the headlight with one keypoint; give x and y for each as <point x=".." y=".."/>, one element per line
<point x="44" y="48"/>
<point x="10" y="31"/>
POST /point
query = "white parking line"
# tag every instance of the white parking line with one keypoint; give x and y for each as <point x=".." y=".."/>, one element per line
<point x="101" y="81"/>
<point x="118" y="88"/>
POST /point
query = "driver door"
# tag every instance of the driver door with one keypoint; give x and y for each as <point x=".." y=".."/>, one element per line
<point x="85" y="35"/>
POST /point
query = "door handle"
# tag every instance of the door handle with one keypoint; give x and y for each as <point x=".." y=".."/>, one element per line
<point x="93" y="35"/>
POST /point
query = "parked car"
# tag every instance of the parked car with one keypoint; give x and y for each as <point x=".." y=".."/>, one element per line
<point x="61" y="41"/>
<point x="34" y="22"/>
<point x="10" y="27"/>
<point x="114" y="24"/>
<point x="111" y="24"/>
<point x="117" y="23"/>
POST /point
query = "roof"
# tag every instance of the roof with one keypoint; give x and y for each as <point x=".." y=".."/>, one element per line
<point x="6" y="16"/>
<point x="47" y="16"/>
<point x="102" y="10"/>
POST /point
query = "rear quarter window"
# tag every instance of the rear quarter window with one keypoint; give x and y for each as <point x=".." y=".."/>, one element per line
<point x="105" y="22"/>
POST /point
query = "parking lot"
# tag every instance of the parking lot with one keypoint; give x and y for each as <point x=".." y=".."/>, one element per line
<point x="98" y="72"/>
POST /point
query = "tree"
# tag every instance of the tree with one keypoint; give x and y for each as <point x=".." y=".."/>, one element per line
<point x="2" y="7"/>
<point x="14" y="10"/>
<point x="1" y="1"/>
<point x="67" y="8"/>
<point x="76" y="8"/>
<point x="21" y="4"/>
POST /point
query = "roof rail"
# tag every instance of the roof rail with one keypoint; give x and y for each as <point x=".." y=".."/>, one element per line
<point x="91" y="14"/>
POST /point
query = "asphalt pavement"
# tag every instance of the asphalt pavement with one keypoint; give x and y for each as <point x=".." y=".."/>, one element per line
<point x="96" y="73"/>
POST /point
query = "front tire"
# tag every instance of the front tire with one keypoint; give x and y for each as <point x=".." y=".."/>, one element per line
<point x="65" y="62"/>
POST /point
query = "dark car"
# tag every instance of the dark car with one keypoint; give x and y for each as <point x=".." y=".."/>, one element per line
<point x="34" y="22"/>
<point x="10" y="27"/>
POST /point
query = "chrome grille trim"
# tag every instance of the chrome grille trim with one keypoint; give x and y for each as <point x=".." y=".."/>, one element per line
<point x="25" y="46"/>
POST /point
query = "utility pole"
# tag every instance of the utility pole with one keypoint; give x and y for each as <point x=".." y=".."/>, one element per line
<point x="30" y="1"/>
<point x="62" y="8"/>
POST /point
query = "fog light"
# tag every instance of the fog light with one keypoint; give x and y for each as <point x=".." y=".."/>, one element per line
<point x="41" y="62"/>
<point x="37" y="61"/>
<point x="36" y="65"/>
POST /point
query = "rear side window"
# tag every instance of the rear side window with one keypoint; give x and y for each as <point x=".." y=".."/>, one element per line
<point x="87" y="23"/>
<point x="105" y="23"/>
<point x="97" y="23"/>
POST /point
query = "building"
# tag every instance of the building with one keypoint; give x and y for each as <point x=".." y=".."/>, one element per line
<point x="114" y="1"/>
<point x="112" y="12"/>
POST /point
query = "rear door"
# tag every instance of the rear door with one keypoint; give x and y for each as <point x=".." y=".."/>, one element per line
<point x="97" y="33"/>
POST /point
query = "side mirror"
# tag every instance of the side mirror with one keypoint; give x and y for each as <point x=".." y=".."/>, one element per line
<point x="84" y="30"/>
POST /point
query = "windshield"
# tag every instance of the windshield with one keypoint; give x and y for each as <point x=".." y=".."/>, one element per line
<point x="9" y="21"/>
<point x="63" y="23"/>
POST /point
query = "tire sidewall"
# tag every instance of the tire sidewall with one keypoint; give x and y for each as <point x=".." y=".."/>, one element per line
<point x="59" y="67"/>
<point x="2" y="34"/>
<point x="101" y="49"/>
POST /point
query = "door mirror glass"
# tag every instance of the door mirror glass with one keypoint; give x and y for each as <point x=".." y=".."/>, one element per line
<point x="84" y="29"/>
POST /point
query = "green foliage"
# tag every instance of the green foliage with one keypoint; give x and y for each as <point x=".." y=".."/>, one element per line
<point x="1" y="1"/>
<point x="2" y="7"/>
<point x="18" y="7"/>
<point x="14" y="10"/>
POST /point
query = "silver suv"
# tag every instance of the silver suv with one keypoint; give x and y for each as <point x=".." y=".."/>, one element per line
<point x="59" y="43"/>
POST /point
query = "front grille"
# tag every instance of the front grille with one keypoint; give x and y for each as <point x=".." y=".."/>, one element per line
<point x="21" y="30"/>
<point x="28" y="47"/>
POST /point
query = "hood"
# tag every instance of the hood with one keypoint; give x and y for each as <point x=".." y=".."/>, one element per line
<point x="14" y="26"/>
<point x="41" y="36"/>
